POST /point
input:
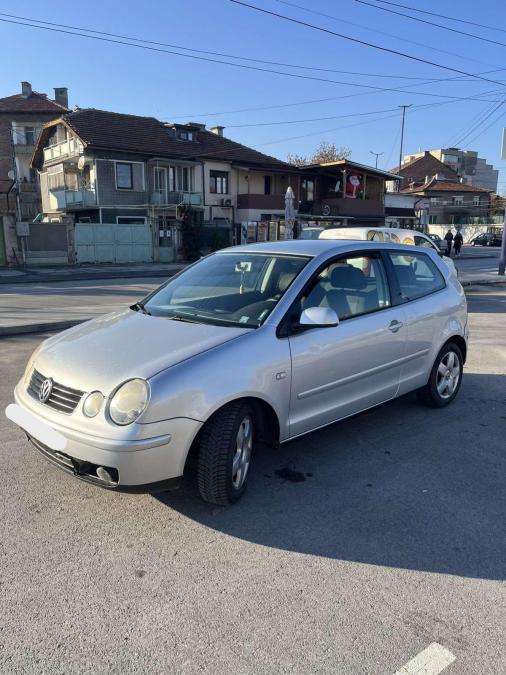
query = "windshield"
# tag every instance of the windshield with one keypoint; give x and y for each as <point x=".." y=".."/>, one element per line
<point x="227" y="289"/>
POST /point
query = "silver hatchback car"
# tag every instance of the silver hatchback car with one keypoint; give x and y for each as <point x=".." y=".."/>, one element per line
<point x="258" y="343"/>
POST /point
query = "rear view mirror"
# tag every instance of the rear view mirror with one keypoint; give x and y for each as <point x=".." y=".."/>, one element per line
<point x="243" y="267"/>
<point x="318" y="317"/>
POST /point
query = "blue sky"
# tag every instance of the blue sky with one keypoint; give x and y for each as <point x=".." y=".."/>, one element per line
<point x="170" y="87"/>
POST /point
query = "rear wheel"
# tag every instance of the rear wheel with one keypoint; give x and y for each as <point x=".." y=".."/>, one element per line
<point x="445" y="378"/>
<point x="226" y="446"/>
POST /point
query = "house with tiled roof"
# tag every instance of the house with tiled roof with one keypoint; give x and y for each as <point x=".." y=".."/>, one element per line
<point x="22" y="116"/>
<point x="445" y="198"/>
<point x="139" y="177"/>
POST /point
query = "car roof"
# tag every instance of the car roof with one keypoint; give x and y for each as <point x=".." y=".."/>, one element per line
<point x="354" y="232"/>
<point x="313" y="247"/>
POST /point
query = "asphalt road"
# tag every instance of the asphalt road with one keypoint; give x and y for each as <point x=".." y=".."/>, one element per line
<point x="40" y="303"/>
<point x="394" y="541"/>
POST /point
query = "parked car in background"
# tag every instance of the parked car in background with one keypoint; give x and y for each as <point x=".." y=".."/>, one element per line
<point x="394" y="234"/>
<point x="487" y="239"/>
<point x="257" y="343"/>
<point x="439" y="241"/>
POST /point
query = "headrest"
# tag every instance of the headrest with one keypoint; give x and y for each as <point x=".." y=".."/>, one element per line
<point x="285" y="280"/>
<point x="349" y="277"/>
<point x="405" y="274"/>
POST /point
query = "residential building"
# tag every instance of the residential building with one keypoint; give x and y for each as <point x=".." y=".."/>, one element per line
<point x="451" y="202"/>
<point x="344" y="193"/>
<point x="136" y="177"/>
<point x="21" y="119"/>
<point x="473" y="170"/>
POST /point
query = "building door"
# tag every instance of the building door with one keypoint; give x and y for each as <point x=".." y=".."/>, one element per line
<point x="167" y="232"/>
<point x="3" y="259"/>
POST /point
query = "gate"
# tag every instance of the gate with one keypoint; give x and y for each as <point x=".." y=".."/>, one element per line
<point x="113" y="243"/>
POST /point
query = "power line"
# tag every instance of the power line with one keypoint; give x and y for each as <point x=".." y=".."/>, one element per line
<point x="211" y="53"/>
<point x="467" y="126"/>
<point x="494" y="121"/>
<point x="362" y="42"/>
<point x="432" y="23"/>
<point x="379" y="32"/>
<point x="228" y="63"/>
<point x="441" y="16"/>
<point x="238" y="65"/>
<point x="479" y="124"/>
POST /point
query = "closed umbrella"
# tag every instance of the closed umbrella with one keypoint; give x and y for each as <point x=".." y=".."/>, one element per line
<point x="289" y="213"/>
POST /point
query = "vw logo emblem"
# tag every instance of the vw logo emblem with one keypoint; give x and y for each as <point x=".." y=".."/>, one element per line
<point x="45" y="390"/>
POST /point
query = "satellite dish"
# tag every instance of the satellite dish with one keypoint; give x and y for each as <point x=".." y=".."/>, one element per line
<point x="81" y="162"/>
<point x="11" y="174"/>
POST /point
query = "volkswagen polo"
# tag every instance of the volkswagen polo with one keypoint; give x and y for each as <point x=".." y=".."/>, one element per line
<point x="257" y="343"/>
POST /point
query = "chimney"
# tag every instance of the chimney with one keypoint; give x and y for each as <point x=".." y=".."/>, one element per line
<point x="61" y="96"/>
<point x="217" y="130"/>
<point x="26" y="89"/>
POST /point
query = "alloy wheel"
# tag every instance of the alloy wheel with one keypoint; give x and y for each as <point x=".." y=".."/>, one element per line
<point x="448" y="375"/>
<point x="242" y="455"/>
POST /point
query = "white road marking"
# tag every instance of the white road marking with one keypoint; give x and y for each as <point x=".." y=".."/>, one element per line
<point x="431" y="661"/>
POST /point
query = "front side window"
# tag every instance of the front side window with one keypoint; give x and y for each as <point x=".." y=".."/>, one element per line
<point x="218" y="182"/>
<point x="227" y="289"/>
<point x="417" y="275"/>
<point x="124" y="176"/>
<point x="350" y="286"/>
<point x="421" y="241"/>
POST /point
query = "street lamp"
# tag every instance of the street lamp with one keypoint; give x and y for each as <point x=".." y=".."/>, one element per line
<point x="376" y="154"/>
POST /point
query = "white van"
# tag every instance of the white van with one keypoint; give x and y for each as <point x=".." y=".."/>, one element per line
<point x="396" y="235"/>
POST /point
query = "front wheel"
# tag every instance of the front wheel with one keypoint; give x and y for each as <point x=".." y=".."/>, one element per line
<point x="445" y="377"/>
<point x="225" y="451"/>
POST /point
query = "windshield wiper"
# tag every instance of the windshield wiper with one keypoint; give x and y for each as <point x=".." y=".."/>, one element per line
<point x="178" y="317"/>
<point x="139" y="307"/>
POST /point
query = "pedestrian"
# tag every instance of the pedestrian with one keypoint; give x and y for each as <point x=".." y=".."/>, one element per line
<point x="458" y="240"/>
<point x="449" y="239"/>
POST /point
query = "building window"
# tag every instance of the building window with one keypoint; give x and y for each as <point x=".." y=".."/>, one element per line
<point x="432" y="220"/>
<point x="218" y="182"/>
<point x="308" y="188"/>
<point x="55" y="177"/>
<point x="186" y="135"/>
<point x="458" y="200"/>
<point x="267" y="185"/>
<point x="476" y="200"/>
<point x="435" y="201"/>
<point x="124" y="176"/>
<point x="183" y="179"/>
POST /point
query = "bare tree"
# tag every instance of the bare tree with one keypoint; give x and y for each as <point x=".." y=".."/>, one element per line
<point x="324" y="152"/>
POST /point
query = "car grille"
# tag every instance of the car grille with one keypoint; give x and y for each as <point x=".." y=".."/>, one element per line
<point x="62" y="398"/>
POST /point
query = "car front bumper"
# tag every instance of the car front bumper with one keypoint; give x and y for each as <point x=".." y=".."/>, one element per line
<point x="147" y="464"/>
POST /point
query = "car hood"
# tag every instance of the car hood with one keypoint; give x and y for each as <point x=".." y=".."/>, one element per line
<point x="102" y="353"/>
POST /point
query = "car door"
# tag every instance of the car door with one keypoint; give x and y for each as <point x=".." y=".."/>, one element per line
<point x="340" y="370"/>
<point x="426" y="313"/>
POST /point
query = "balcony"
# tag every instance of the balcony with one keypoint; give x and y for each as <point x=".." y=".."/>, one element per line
<point x="69" y="148"/>
<point x="69" y="199"/>
<point x="166" y="198"/>
<point x="338" y="206"/>
<point x="262" y="202"/>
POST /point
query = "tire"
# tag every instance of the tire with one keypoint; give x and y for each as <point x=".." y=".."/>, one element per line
<point x="225" y="451"/>
<point x="445" y="378"/>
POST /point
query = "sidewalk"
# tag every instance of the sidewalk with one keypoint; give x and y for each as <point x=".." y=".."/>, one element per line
<point x="35" y="274"/>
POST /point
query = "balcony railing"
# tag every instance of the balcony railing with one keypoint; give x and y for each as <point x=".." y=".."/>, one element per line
<point x="165" y="198"/>
<point x="68" y="199"/>
<point x="69" y="148"/>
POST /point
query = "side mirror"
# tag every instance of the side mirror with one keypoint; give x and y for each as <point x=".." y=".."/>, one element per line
<point x="318" y="317"/>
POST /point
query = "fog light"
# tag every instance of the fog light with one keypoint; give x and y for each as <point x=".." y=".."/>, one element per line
<point x="103" y="474"/>
<point x="92" y="403"/>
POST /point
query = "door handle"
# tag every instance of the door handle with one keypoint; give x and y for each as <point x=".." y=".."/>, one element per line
<point x="395" y="326"/>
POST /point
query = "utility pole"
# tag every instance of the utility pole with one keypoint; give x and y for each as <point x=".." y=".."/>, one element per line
<point x="402" y="142"/>
<point x="376" y="154"/>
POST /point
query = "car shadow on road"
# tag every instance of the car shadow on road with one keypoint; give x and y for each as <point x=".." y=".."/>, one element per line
<point x="401" y="486"/>
<point x="482" y="300"/>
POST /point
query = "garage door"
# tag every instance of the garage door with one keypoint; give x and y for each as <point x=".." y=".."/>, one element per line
<point x="114" y="243"/>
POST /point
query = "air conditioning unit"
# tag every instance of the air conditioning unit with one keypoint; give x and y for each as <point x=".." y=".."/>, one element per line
<point x="226" y="202"/>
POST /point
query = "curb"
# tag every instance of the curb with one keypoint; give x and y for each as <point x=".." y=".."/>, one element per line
<point x="44" y="279"/>
<point x="24" y="329"/>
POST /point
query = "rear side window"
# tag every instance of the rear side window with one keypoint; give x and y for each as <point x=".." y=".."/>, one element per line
<point x="417" y="275"/>
<point x="421" y="241"/>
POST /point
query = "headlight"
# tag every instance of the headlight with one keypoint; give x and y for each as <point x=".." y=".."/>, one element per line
<point x="93" y="403"/>
<point x="30" y="364"/>
<point x="129" y="401"/>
